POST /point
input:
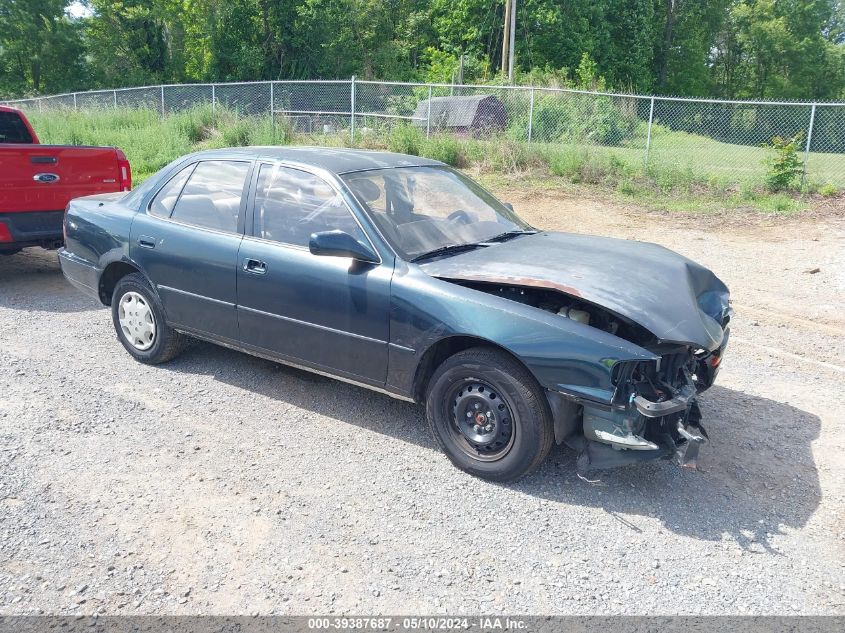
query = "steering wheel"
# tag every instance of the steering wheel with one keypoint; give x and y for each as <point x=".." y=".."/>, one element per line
<point x="460" y="217"/>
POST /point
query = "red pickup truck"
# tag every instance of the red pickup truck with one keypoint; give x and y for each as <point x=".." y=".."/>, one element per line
<point x="37" y="181"/>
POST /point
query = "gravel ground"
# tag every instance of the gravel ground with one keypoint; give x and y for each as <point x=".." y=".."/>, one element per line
<point x="221" y="483"/>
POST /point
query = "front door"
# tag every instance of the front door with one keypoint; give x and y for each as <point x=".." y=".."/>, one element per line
<point x="330" y="313"/>
<point x="188" y="241"/>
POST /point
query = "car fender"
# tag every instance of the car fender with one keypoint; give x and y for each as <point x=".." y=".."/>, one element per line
<point x="98" y="234"/>
<point x="563" y="355"/>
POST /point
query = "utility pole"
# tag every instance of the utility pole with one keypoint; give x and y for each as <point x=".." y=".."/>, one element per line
<point x="506" y="36"/>
<point x="512" y="32"/>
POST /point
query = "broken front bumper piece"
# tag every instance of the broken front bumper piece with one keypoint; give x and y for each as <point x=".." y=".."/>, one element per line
<point x="686" y="454"/>
<point x="642" y="431"/>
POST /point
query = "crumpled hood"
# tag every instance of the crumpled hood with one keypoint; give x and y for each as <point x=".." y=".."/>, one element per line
<point x="674" y="298"/>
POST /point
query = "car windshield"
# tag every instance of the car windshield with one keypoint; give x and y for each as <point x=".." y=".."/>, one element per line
<point x="421" y="210"/>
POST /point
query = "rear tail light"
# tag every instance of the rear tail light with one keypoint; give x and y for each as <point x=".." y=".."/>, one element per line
<point x="5" y="233"/>
<point x="124" y="172"/>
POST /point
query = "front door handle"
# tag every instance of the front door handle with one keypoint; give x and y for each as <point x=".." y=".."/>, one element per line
<point x="146" y="241"/>
<point x="254" y="266"/>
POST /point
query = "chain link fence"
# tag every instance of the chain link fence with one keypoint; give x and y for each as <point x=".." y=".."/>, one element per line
<point x="723" y="140"/>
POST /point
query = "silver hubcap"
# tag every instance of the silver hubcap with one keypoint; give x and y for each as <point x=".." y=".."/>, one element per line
<point x="137" y="321"/>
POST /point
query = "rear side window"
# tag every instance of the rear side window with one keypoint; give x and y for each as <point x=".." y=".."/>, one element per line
<point x="212" y="196"/>
<point x="162" y="205"/>
<point x="12" y="129"/>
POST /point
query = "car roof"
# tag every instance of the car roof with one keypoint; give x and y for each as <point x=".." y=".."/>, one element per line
<point x="333" y="159"/>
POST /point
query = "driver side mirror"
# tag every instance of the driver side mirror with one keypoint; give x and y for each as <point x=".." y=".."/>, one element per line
<point x="341" y="244"/>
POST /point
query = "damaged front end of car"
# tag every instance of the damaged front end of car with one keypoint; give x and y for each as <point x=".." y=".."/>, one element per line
<point x="653" y="414"/>
<point x="652" y="410"/>
<point x="646" y="329"/>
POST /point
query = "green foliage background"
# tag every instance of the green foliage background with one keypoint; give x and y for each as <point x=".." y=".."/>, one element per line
<point x="784" y="49"/>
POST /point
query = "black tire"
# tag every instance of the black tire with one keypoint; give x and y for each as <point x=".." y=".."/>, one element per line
<point x="166" y="342"/>
<point x="523" y="431"/>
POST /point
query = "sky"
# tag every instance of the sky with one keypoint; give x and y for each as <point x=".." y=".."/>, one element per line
<point x="77" y="10"/>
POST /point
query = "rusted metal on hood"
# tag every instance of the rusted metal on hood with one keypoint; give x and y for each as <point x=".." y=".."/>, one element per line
<point x="527" y="282"/>
<point x="676" y="299"/>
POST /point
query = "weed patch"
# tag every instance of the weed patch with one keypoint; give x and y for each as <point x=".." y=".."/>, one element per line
<point x="151" y="142"/>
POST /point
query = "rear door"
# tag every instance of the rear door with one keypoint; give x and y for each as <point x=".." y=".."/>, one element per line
<point x="332" y="313"/>
<point x="187" y="242"/>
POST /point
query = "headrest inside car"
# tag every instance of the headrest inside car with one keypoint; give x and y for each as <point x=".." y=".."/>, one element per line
<point x="367" y="190"/>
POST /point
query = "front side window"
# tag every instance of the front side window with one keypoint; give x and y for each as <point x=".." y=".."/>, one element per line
<point x="212" y="196"/>
<point x="291" y="204"/>
<point x="424" y="209"/>
<point x="162" y="205"/>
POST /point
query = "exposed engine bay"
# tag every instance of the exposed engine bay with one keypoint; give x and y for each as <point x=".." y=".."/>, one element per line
<point x="654" y="412"/>
<point x="569" y="307"/>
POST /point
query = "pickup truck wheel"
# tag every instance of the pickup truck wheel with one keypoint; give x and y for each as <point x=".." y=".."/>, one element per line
<point x="489" y="415"/>
<point x="139" y="321"/>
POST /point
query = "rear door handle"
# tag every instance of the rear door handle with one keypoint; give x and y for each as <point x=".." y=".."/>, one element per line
<point x="254" y="266"/>
<point x="146" y="241"/>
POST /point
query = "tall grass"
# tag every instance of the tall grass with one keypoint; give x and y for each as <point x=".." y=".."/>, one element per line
<point x="150" y="141"/>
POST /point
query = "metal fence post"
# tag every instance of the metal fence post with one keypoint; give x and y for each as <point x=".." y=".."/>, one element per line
<point x="648" y="134"/>
<point x="530" y="115"/>
<point x="809" y="140"/>
<point x="74" y="102"/>
<point x="213" y="97"/>
<point x="352" y="112"/>
<point x="428" y="116"/>
<point x="114" y="94"/>
<point x="272" y="111"/>
<point x="40" y="105"/>
<point x="162" y="100"/>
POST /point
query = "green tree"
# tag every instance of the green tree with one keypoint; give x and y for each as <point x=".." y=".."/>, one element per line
<point x="41" y="49"/>
<point x="685" y="34"/>
<point x="626" y="51"/>
<point x="771" y="49"/>
<point x="128" y="41"/>
<point x="791" y="49"/>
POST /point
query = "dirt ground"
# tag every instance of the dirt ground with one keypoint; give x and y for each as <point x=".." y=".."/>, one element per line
<point x="787" y="282"/>
<point x="221" y="483"/>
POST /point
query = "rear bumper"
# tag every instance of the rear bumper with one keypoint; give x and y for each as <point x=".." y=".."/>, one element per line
<point x="80" y="273"/>
<point x="37" y="228"/>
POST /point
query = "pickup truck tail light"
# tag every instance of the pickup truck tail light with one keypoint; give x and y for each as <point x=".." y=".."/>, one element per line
<point x="124" y="172"/>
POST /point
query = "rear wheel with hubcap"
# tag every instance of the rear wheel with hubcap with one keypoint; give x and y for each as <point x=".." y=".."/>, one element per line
<point x="139" y="321"/>
<point x="489" y="415"/>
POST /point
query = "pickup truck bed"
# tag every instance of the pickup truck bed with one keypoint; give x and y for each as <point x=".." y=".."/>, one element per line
<point x="37" y="182"/>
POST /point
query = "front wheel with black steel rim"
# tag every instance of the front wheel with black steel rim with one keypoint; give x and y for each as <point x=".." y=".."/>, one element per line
<point x="139" y="321"/>
<point x="489" y="415"/>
